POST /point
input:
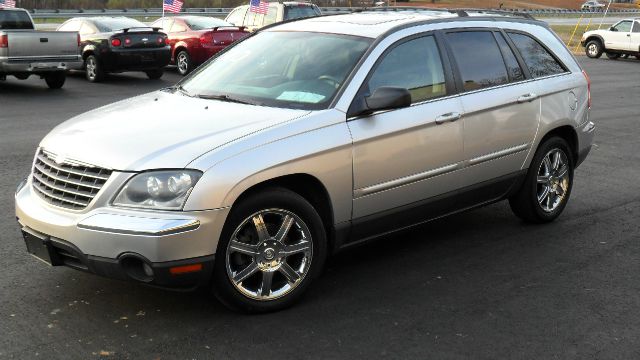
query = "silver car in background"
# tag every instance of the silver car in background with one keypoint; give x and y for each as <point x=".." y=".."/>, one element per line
<point x="260" y="164"/>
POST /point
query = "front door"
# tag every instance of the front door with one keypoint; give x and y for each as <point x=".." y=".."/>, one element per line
<point x="405" y="155"/>
<point x="619" y="36"/>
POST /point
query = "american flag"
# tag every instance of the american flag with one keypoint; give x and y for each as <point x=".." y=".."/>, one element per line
<point x="259" y="6"/>
<point x="173" y="6"/>
<point x="7" y="3"/>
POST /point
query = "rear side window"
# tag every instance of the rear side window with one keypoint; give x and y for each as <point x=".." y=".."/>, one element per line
<point x="73" y="25"/>
<point x="19" y="20"/>
<point x="237" y="16"/>
<point x="414" y="65"/>
<point x="513" y="68"/>
<point x="479" y="59"/>
<point x="539" y="61"/>
<point x="636" y="27"/>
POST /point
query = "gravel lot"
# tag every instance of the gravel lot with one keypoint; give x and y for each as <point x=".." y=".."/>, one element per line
<point x="479" y="285"/>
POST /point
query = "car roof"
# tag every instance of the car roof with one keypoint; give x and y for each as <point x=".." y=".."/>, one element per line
<point x="375" y="23"/>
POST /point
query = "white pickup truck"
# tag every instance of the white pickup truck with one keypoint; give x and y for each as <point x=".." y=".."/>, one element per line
<point x="25" y="51"/>
<point x="623" y="38"/>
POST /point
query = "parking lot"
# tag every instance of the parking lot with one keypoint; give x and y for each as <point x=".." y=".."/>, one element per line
<point x="481" y="284"/>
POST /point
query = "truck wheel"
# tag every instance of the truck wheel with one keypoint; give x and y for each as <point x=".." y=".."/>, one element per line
<point x="272" y="247"/>
<point x="613" y="56"/>
<point x="55" y="80"/>
<point x="594" y="49"/>
<point x="547" y="187"/>
<point x="183" y="62"/>
<point x="93" y="69"/>
<point x="154" y="74"/>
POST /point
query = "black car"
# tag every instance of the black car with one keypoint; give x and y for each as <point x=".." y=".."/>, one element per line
<point x="117" y="44"/>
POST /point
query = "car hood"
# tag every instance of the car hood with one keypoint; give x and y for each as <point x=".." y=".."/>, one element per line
<point x="158" y="130"/>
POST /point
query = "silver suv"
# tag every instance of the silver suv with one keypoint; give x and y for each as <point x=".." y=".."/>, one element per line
<point x="260" y="164"/>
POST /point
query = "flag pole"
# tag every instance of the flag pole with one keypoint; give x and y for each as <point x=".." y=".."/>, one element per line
<point x="162" y="22"/>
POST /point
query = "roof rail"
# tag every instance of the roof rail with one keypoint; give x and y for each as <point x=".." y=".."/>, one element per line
<point x="493" y="12"/>
<point x="463" y="12"/>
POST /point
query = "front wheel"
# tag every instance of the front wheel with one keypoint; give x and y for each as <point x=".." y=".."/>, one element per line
<point x="55" y="80"/>
<point x="154" y="74"/>
<point x="271" y="248"/>
<point x="594" y="49"/>
<point x="548" y="183"/>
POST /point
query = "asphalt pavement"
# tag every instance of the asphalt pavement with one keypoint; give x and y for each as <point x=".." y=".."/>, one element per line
<point x="480" y="285"/>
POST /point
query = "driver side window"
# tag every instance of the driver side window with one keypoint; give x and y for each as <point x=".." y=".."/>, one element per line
<point x="414" y="65"/>
<point x="623" y="26"/>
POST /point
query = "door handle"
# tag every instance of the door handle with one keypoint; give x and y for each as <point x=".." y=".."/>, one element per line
<point x="527" y="98"/>
<point x="448" y="117"/>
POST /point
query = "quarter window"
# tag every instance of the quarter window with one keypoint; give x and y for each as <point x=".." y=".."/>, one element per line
<point x="513" y="68"/>
<point x="270" y="17"/>
<point x="237" y="16"/>
<point x="636" y="27"/>
<point x="539" y="61"/>
<point x="479" y="59"/>
<point x="414" y="65"/>
<point x="73" y="25"/>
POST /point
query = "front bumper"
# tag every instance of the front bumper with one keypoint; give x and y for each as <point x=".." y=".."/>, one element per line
<point x="104" y="239"/>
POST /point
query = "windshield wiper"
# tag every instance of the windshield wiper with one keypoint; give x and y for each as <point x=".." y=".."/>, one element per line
<point x="224" y="97"/>
<point x="182" y="90"/>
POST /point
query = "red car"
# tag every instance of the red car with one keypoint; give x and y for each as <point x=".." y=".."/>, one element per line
<point x="194" y="39"/>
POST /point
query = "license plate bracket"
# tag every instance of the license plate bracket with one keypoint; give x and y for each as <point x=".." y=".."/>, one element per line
<point x="39" y="246"/>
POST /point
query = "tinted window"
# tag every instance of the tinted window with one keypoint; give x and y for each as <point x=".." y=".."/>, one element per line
<point x="73" y="25"/>
<point x="202" y="22"/>
<point x="299" y="11"/>
<point x="112" y="24"/>
<point x="10" y="19"/>
<point x="623" y="26"/>
<point x="237" y="16"/>
<point x="537" y="58"/>
<point x="270" y="17"/>
<point x="513" y="68"/>
<point x="479" y="59"/>
<point x="636" y="26"/>
<point x="414" y="65"/>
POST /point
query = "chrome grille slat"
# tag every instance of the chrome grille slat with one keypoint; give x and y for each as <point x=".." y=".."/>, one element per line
<point x="71" y="185"/>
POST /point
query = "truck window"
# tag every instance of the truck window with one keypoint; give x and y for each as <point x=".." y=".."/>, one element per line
<point x="271" y="15"/>
<point x="10" y="19"/>
<point x="636" y="27"/>
<point x="299" y="11"/>
<point x="237" y="16"/>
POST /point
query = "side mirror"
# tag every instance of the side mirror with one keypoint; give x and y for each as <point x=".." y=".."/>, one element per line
<point x="613" y="29"/>
<point x="387" y="98"/>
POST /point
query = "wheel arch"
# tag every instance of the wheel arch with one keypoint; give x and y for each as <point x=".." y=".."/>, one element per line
<point x="595" y="37"/>
<point x="569" y="134"/>
<point x="307" y="186"/>
<point x="179" y="47"/>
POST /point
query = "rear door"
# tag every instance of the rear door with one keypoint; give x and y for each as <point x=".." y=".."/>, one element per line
<point x="502" y="110"/>
<point x="406" y="155"/>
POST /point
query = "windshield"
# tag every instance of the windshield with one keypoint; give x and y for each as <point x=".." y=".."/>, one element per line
<point x="300" y="11"/>
<point x="305" y="72"/>
<point x="201" y="23"/>
<point x="106" y="25"/>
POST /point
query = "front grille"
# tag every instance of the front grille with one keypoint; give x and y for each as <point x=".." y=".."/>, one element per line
<point x="70" y="184"/>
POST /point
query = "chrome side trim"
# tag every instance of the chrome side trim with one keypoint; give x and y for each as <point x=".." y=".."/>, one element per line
<point x="499" y="154"/>
<point x="404" y="180"/>
<point x="133" y="225"/>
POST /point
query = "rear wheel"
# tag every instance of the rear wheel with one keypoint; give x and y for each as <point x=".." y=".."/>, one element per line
<point x="594" y="49"/>
<point x="55" y="80"/>
<point x="183" y="62"/>
<point x="93" y="69"/>
<point x="271" y="248"/>
<point x="613" y="56"/>
<point x="548" y="184"/>
<point x="154" y="74"/>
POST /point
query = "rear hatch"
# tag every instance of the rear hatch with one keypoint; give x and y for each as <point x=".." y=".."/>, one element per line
<point x="139" y="38"/>
<point x="23" y="43"/>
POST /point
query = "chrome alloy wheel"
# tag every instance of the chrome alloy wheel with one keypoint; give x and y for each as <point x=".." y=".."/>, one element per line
<point x="91" y="67"/>
<point x="183" y="62"/>
<point x="592" y="49"/>
<point x="553" y="180"/>
<point x="269" y="254"/>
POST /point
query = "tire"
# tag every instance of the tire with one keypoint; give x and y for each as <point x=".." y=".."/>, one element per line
<point x="530" y="203"/>
<point x="55" y="80"/>
<point x="240" y="266"/>
<point x="93" y="69"/>
<point x="154" y="74"/>
<point x="613" y="56"/>
<point x="183" y="62"/>
<point x="594" y="49"/>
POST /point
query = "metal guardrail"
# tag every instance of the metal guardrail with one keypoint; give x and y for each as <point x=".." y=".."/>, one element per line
<point x="222" y="12"/>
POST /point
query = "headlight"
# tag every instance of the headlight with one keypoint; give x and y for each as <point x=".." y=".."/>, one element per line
<point x="165" y="190"/>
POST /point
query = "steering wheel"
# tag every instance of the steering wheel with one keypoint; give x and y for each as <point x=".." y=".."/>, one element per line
<point x="331" y="80"/>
